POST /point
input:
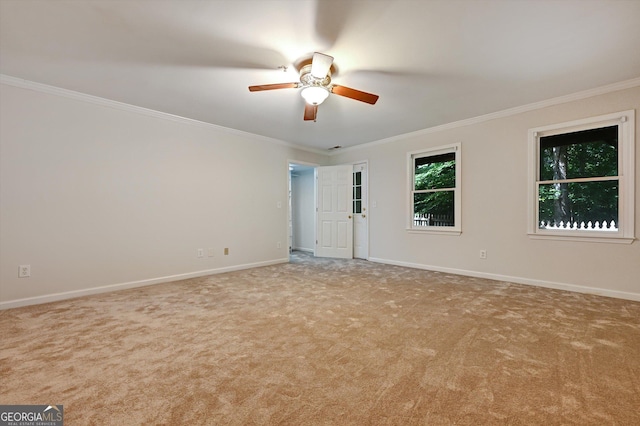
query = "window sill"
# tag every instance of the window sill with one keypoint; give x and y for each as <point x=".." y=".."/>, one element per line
<point x="582" y="238"/>
<point x="434" y="231"/>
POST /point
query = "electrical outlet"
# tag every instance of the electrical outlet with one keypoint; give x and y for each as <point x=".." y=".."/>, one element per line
<point x="211" y="252"/>
<point x="200" y="253"/>
<point x="226" y="251"/>
<point x="24" y="271"/>
<point x="483" y="254"/>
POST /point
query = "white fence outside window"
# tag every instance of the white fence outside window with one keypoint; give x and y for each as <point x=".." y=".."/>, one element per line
<point x="582" y="226"/>
<point x="432" y="220"/>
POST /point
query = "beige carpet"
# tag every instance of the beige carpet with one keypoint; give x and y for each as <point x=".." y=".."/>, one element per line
<point x="328" y="342"/>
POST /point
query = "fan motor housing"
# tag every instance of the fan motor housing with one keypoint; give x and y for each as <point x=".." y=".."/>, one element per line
<point x="307" y="79"/>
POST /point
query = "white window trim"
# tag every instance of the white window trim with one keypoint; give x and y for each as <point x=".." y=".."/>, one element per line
<point x="625" y="121"/>
<point x="457" y="195"/>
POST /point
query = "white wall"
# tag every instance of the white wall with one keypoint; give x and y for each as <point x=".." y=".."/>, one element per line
<point x="96" y="196"/>
<point x="303" y="210"/>
<point x="494" y="206"/>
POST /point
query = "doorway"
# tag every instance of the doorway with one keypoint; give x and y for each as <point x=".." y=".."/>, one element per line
<point x="304" y="232"/>
<point x="302" y="212"/>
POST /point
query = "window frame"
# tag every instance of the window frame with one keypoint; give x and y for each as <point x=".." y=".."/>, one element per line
<point x="456" y="149"/>
<point x="625" y="121"/>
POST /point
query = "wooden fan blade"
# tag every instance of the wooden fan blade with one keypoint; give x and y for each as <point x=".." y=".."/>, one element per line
<point x="320" y="65"/>
<point x="310" y="112"/>
<point x="273" y="86"/>
<point x="358" y="95"/>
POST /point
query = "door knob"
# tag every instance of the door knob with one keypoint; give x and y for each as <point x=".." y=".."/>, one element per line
<point x="364" y="215"/>
<point x="349" y="216"/>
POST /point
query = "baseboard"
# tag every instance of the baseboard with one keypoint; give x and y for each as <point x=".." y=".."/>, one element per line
<point x="142" y="283"/>
<point x="306" y="250"/>
<point x="517" y="280"/>
<point x="132" y="284"/>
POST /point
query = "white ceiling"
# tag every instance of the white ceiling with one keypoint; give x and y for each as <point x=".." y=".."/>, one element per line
<point x="432" y="62"/>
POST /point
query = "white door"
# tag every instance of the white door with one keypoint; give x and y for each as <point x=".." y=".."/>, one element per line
<point x="335" y="217"/>
<point x="360" y="224"/>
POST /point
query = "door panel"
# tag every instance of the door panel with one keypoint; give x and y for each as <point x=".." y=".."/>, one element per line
<point x="335" y="222"/>
<point x="343" y="197"/>
<point x="342" y="235"/>
<point x="325" y="236"/>
<point x="327" y="201"/>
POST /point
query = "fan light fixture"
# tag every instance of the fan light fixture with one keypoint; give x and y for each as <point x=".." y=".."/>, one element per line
<point x="314" y="95"/>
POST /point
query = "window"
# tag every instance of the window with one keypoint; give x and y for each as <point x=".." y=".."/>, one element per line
<point x="581" y="177"/>
<point x="357" y="192"/>
<point x="434" y="190"/>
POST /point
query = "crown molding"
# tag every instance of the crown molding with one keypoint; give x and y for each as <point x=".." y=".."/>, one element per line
<point x="602" y="90"/>
<point x="96" y="100"/>
<point x="45" y="88"/>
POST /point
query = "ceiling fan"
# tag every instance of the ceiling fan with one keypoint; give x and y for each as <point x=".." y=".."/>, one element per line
<point x="315" y="81"/>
